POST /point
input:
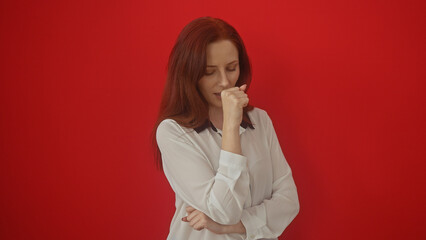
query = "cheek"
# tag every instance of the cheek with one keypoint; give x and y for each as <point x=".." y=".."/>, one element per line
<point x="235" y="76"/>
<point x="203" y="86"/>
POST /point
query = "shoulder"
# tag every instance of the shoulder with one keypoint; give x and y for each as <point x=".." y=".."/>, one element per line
<point x="167" y="124"/>
<point x="259" y="117"/>
<point x="257" y="113"/>
<point x="170" y="129"/>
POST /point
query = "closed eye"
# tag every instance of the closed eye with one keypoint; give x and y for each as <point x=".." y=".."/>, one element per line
<point x="233" y="68"/>
<point x="208" y="73"/>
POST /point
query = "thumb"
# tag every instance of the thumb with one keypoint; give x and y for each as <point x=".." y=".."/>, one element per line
<point x="243" y="87"/>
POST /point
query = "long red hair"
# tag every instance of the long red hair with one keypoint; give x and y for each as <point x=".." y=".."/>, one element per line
<point x="182" y="101"/>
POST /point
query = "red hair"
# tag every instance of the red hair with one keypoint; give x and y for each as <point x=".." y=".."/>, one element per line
<point x="182" y="101"/>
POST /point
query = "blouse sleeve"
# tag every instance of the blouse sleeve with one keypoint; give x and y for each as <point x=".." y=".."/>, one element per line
<point x="272" y="216"/>
<point x="220" y="195"/>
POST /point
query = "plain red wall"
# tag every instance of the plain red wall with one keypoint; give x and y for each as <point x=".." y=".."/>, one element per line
<point x="81" y="83"/>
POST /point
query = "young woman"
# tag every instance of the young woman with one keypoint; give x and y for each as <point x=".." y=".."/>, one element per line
<point x="220" y="155"/>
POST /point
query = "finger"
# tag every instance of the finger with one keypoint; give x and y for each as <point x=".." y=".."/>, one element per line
<point x="243" y="87"/>
<point x="200" y="225"/>
<point x="245" y="102"/>
<point x="242" y="95"/>
<point x="238" y="94"/>
<point x="189" y="209"/>
<point x="194" y="220"/>
<point x="192" y="215"/>
<point x="185" y="219"/>
<point x="232" y="89"/>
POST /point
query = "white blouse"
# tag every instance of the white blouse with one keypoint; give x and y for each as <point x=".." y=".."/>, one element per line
<point x="256" y="187"/>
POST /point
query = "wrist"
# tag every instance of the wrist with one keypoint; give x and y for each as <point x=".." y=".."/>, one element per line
<point x="231" y="123"/>
<point x="235" y="228"/>
<point x="230" y="126"/>
<point x="240" y="228"/>
<point x="226" y="229"/>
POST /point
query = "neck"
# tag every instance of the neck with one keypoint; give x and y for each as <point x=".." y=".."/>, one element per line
<point x="216" y="117"/>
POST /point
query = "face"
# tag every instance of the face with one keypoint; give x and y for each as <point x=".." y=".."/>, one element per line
<point x="222" y="71"/>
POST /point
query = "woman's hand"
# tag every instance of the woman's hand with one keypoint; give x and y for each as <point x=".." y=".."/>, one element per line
<point x="233" y="101"/>
<point x="199" y="221"/>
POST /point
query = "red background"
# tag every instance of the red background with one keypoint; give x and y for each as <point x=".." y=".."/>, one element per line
<point x="343" y="82"/>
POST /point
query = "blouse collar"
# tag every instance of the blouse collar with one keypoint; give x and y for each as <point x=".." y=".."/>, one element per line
<point x="244" y="124"/>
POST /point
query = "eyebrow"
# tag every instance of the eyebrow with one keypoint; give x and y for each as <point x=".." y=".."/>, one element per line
<point x="226" y="64"/>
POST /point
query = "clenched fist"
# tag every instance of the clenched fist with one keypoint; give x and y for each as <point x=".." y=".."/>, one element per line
<point x="233" y="101"/>
<point x="199" y="221"/>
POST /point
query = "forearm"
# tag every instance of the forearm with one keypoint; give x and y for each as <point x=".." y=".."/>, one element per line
<point x="235" y="228"/>
<point x="272" y="216"/>
<point x="231" y="138"/>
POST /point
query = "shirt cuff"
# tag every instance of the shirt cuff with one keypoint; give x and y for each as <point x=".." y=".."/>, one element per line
<point x="252" y="223"/>
<point x="230" y="159"/>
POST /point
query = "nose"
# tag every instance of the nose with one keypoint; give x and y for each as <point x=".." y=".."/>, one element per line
<point x="224" y="80"/>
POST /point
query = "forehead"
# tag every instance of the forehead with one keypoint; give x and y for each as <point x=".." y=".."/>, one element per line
<point x="221" y="52"/>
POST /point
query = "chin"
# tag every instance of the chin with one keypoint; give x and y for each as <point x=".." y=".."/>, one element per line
<point x="215" y="105"/>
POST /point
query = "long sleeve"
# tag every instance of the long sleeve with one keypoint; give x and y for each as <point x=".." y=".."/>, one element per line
<point x="272" y="216"/>
<point x="219" y="194"/>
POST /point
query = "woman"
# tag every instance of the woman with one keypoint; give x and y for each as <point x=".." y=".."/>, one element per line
<point x="220" y="155"/>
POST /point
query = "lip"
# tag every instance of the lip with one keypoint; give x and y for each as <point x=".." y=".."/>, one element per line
<point x="217" y="95"/>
